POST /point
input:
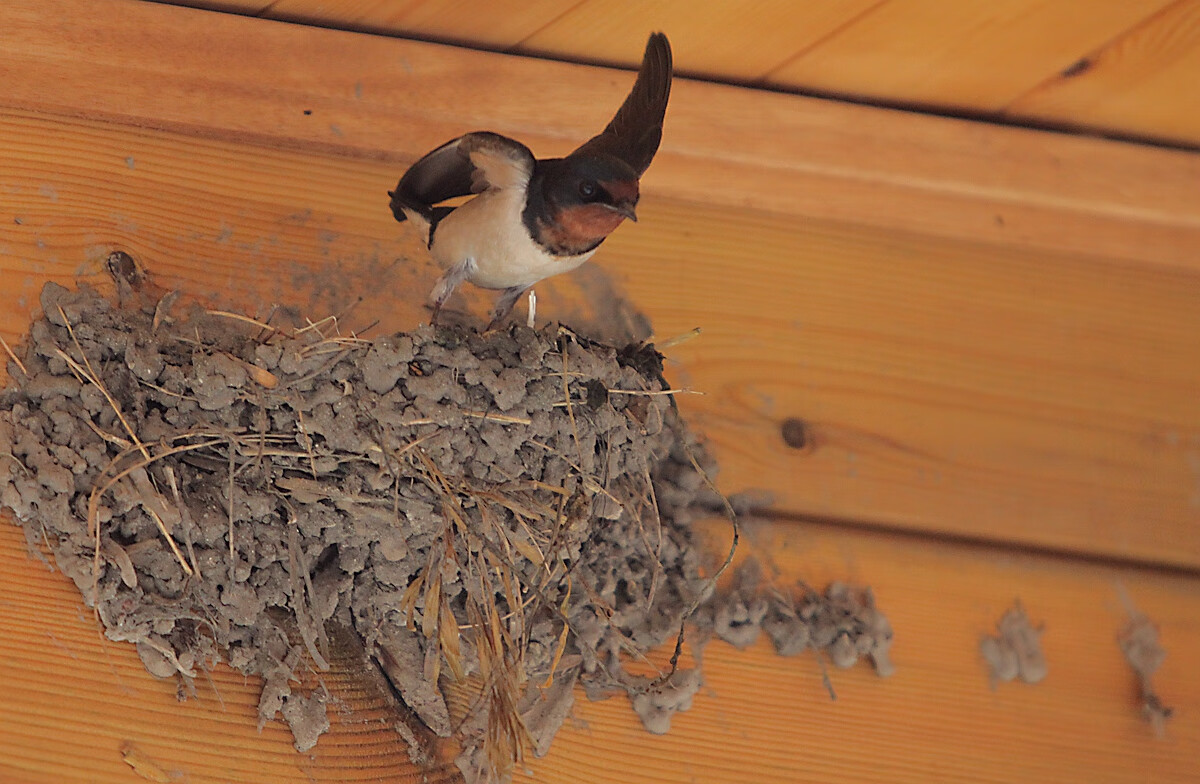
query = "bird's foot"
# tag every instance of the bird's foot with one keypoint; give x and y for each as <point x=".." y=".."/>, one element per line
<point x="445" y="286"/>
<point x="504" y="305"/>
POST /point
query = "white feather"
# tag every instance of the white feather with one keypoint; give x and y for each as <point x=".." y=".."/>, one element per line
<point x="489" y="230"/>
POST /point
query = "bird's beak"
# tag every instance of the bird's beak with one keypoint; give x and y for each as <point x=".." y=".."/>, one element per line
<point x="625" y="209"/>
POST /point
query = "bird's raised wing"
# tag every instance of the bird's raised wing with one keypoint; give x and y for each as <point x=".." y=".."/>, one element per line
<point x="636" y="130"/>
<point x="469" y="164"/>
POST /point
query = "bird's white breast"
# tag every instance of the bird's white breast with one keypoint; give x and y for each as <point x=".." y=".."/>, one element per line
<point x="489" y="230"/>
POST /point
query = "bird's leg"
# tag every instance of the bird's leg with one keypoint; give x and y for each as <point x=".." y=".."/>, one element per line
<point x="504" y="305"/>
<point x="446" y="285"/>
<point x="529" y="322"/>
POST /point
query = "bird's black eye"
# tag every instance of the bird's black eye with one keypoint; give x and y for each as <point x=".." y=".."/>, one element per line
<point x="587" y="189"/>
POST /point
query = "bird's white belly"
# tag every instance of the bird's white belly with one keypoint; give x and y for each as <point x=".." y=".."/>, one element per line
<point x="489" y="231"/>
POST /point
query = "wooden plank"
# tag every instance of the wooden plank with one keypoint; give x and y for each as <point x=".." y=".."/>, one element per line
<point x="975" y="56"/>
<point x="1019" y="59"/>
<point x="249" y="7"/>
<point x="1048" y="399"/>
<point x="736" y="42"/>
<point x="724" y="41"/>
<point x="71" y="701"/>
<point x="392" y="100"/>
<point x="1140" y="84"/>
<point x="493" y="25"/>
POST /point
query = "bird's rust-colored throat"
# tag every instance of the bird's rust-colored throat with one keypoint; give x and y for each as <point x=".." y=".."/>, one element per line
<point x="583" y="225"/>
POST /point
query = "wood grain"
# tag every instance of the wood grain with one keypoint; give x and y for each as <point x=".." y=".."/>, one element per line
<point x="71" y="701"/>
<point x="1015" y="59"/>
<point x="247" y="7"/>
<point x="492" y="25"/>
<point x="738" y="42"/>
<point x="1136" y="83"/>
<point x="977" y="56"/>
<point x="166" y="67"/>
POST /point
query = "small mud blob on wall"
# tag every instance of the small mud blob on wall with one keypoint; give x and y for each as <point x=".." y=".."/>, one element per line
<point x="497" y="516"/>
<point x="1016" y="650"/>
<point x="841" y="623"/>
<point x="1139" y="643"/>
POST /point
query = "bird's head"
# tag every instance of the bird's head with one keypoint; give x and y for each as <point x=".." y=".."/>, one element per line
<point x="589" y="196"/>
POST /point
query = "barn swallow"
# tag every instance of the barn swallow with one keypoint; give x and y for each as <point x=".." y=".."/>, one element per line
<point x="532" y="218"/>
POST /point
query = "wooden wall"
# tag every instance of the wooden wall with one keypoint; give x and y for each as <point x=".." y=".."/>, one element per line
<point x="1119" y="67"/>
<point x="991" y="335"/>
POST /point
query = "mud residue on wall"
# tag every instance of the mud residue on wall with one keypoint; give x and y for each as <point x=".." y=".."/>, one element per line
<point x="1015" y="651"/>
<point x="1144" y="653"/>
<point x="840" y="624"/>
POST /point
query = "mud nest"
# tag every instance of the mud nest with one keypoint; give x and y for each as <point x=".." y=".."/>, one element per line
<point x="496" y="515"/>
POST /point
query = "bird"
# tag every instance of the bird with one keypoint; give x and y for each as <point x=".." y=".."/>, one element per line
<point x="531" y="218"/>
